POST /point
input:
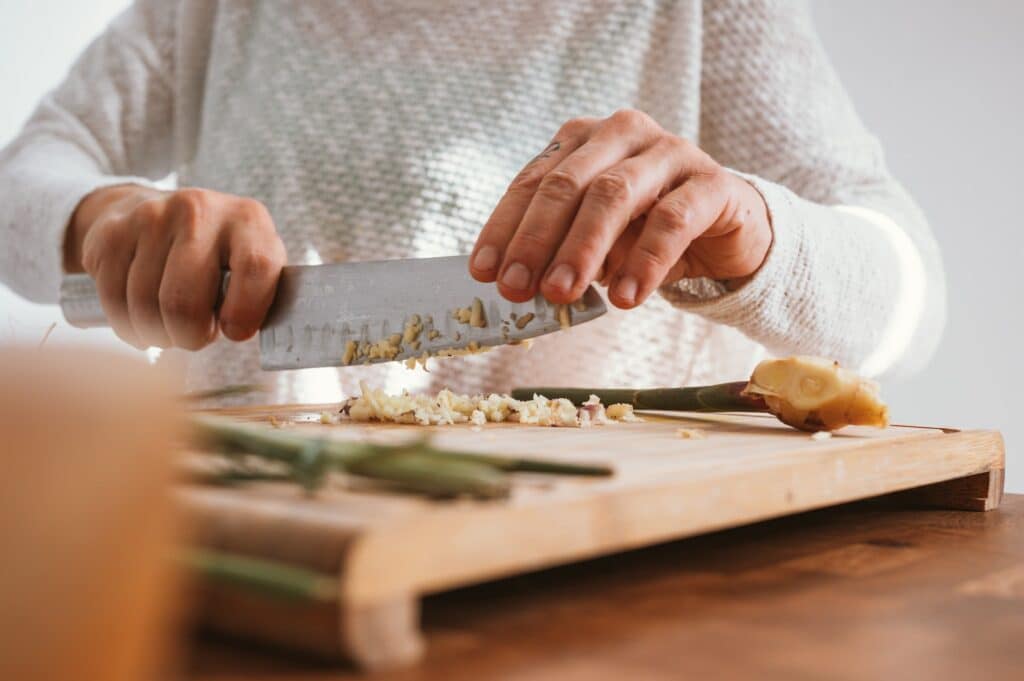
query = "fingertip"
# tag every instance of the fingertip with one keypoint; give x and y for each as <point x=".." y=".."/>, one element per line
<point x="483" y="276"/>
<point x="624" y="292"/>
<point x="560" y="296"/>
<point x="484" y="264"/>
<point x="237" y="332"/>
<point x="621" y="304"/>
<point x="515" y="295"/>
<point x="555" y="295"/>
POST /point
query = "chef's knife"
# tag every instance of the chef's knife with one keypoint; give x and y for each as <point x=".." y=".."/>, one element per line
<point x="318" y="309"/>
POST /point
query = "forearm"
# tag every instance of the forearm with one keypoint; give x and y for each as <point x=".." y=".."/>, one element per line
<point x="42" y="181"/>
<point x="109" y="123"/>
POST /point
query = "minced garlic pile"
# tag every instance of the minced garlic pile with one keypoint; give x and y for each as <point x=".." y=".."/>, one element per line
<point x="448" y="408"/>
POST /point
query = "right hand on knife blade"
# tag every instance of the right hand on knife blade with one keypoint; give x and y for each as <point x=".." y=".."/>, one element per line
<point x="157" y="259"/>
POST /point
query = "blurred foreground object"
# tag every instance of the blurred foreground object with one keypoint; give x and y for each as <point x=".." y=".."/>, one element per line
<point x="87" y="524"/>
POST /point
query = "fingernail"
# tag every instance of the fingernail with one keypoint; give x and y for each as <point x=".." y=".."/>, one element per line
<point x="516" y="277"/>
<point x="626" y="289"/>
<point x="486" y="258"/>
<point x="562" y="277"/>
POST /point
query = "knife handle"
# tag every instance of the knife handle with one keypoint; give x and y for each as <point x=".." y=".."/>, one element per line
<point x="81" y="306"/>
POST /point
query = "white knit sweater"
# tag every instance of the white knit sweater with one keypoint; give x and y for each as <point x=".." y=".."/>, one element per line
<point x="390" y="129"/>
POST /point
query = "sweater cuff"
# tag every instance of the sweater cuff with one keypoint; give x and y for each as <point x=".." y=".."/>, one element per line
<point x="44" y="223"/>
<point x="711" y="299"/>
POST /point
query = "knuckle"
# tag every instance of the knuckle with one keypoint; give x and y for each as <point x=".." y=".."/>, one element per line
<point x="582" y="251"/>
<point x="254" y="264"/>
<point x="526" y="182"/>
<point x="717" y="178"/>
<point x="679" y="145"/>
<point x="98" y="246"/>
<point x="631" y="118"/>
<point x="187" y="207"/>
<point x="672" y="216"/>
<point x="575" y="127"/>
<point x="188" y="201"/>
<point x="526" y="244"/>
<point x="560" y="185"/>
<point x="252" y="211"/>
<point x="148" y="212"/>
<point x="611" y="188"/>
<point x="647" y="259"/>
<point x="177" y="304"/>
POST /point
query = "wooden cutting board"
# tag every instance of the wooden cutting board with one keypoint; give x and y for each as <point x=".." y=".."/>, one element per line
<point x="387" y="549"/>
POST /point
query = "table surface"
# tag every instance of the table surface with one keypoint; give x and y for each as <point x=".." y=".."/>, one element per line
<point x="865" y="590"/>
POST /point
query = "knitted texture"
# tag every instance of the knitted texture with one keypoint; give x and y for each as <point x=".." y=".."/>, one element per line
<point x="377" y="130"/>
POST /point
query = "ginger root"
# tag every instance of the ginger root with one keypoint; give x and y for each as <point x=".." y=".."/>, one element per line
<point x="814" y="394"/>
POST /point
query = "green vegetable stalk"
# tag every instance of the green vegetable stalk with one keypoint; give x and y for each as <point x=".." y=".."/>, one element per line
<point x="719" y="397"/>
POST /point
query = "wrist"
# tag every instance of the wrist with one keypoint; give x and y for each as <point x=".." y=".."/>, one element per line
<point x="90" y="209"/>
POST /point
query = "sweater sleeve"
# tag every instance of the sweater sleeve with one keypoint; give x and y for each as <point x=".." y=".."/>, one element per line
<point x="108" y="123"/>
<point x="853" y="272"/>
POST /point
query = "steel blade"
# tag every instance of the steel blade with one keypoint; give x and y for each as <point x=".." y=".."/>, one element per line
<point x="318" y="309"/>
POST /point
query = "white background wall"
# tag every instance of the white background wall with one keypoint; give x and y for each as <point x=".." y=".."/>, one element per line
<point x="940" y="83"/>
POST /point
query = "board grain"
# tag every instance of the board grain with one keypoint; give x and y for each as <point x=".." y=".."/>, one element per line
<point x="388" y="550"/>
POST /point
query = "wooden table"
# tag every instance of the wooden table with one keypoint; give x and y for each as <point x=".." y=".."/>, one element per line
<point x="870" y="590"/>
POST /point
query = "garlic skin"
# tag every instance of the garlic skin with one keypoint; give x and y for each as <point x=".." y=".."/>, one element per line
<point x="814" y="394"/>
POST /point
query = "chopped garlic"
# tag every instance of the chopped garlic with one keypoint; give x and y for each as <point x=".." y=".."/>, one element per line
<point x="477" y="318"/>
<point x="412" y="329"/>
<point x="448" y="408"/>
<point x="622" y="412"/>
<point x="434" y="334"/>
<point x="524" y="320"/>
<point x="822" y="435"/>
<point x="691" y="433"/>
<point x="564" y="316"/>
<point x="593" y="413"/>
<point x="387" y="348"/>
<point x="351" y="348"/>
<point x="326" y="418"/>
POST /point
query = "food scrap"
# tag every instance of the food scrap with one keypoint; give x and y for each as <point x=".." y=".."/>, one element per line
<point x="477" y="318"/>
<point x="691" y="433"/>
<point x="524" y="320"/>
<point x="622" y="412"/>
<point x="564" y="316"/>
<point x="412" y="330"/>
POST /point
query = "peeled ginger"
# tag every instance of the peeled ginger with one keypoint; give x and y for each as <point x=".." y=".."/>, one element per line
<point x="813" y="394"/>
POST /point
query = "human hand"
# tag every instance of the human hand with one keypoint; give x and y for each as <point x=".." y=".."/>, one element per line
<point x="626" y="203"/>
<point x="157" y="259"/>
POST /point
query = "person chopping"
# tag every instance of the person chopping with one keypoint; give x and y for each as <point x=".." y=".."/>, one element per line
<point x="699" y="160"/>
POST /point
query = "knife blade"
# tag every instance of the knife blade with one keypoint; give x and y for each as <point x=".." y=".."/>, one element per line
<point x="319" y="311"/>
